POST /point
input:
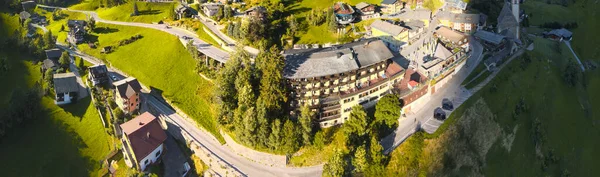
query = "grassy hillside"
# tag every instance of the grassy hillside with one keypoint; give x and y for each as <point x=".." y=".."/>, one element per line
<point x="148" y="12"/>
<point x="159" y="60"/>
<point x="63" y="141"/>
<point x="527" y="121"/>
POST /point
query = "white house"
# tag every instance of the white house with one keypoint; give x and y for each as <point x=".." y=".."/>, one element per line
<point x="143" y="139"/>
<point x="66" y="88"/>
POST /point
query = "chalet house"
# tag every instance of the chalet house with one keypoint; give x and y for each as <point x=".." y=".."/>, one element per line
<point x="344" y="14"/>
<point x="66" y="88"/>
<point x="143" y="138"/>
<point x="182" y="11"/>
<point x="77" y="31"/>
<point x="491" y="40"/>
<point x="98" y="74"/>
<point x="210" y="9"/>
<point x="451" y="37"/>
<point x="127" y="94"/>
<point x="391" y="6"/>
<point x="559" y="34"/>
<point x="28" y="5"/>
<point x="259" y="12"/>
<point x="51" y="61"/>
<point x="367" y="11"/>
<point x="467" y="23"/>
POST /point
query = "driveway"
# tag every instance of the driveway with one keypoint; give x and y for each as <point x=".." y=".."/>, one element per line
<point x="173" y="158"/>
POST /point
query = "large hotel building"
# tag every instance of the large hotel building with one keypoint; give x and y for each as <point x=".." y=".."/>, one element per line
<point x="331" y="80"/>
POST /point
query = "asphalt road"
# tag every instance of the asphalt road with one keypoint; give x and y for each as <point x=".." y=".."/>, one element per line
<point x="424" y="116"/>
<point x="222" y="152"/>
<point x="203" y="47"/>
<point x="231" y="158"/>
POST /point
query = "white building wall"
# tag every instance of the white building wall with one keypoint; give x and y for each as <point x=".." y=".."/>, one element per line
<point x="152" y="157"/>
<point x="66" y="100"/>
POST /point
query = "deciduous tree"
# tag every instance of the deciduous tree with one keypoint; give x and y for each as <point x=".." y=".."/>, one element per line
<point x="388" y="109"/>
<point x="64" y="60"/>
<point x="360" y="161"/>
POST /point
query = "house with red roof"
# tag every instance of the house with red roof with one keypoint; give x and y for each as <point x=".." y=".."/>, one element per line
<point x="143" y="139"/>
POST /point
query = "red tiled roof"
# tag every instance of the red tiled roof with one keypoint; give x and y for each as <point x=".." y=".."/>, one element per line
<point x="413" y="83"/>
<point x="144" y="133"/>
<point x="393" y="69"/>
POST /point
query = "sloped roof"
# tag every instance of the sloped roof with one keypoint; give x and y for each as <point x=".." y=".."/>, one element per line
<point x="308" y="63"/>
<point x="53" y="53"/>
<point x="388" y="1"/>
<point x="98" y="69"/>
<point x="506" y="19"/>
<point x="144" y="133"/>
<point x="459" y="17"/>
<point x="362" y="5"/>
<point x="127" y="87"/>
<point x="450" y="34"/>
<point x="65" y="83"/>
<point x="489" y="37"/>
<point x="561" y="32"/>
<point x="419" y="14"/>
<point x="260" y="9"/>
<point x="48" y="64"/>
<point x="459" y="4"/>
<point x="442" y="52"/>
<point x="24" y="15"/>
<point x="387" y="27"/>
<point x="393" y="69"/>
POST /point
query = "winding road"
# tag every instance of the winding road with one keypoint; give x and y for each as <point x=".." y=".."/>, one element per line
<point x="421" y="118"/>
<point x="242" y="165"/>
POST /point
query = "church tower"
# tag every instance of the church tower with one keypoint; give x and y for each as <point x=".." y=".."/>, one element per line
<point x="516" y="12"/>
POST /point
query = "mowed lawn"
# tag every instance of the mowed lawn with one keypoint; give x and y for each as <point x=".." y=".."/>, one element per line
<point x="148" y="12"/>
<point x="160" y="61"/>
<point x="65" y="141"/>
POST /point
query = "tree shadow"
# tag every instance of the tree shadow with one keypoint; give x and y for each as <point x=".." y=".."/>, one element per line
<point x="91" y="38"/>
<point x="105" y="30"/>
<point x="149" y="12"/>
<point x="56" y="143"/>
<point x="78" y="108"/>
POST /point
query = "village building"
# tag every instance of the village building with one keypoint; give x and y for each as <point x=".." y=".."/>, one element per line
<point x="423" y="15"/>
<point x="331" y="80"/>
<point x="467" y="23"/>
<point x="391" y="6"/>
<point x="182" y="11"/>
<point x="28" y="5"/>
<point x="143" y="138"/>
<point x="394" y="36"/>
<point x="210" y="9"/>
<point x="452" y="38"/>
<point x="77" y="31"/>
<point x="559" y="34"/>
<point x="455" y="6"/>
<point x="259" y="12"/>
<point x="367" y="11"/>
<point x="344" y="14"/>
<point x="51" y="61"/>
<point x="98" y="74"/>
<point x="66" y="88"/>
<point x="508" y="26"/>
<point x="127" y="94"/>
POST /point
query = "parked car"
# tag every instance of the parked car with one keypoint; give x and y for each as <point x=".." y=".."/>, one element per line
<point x="167" y="27"/>
<point x="447" y="104"/>
<point x="439" y="114"/>
<point x="114" y="78"/>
